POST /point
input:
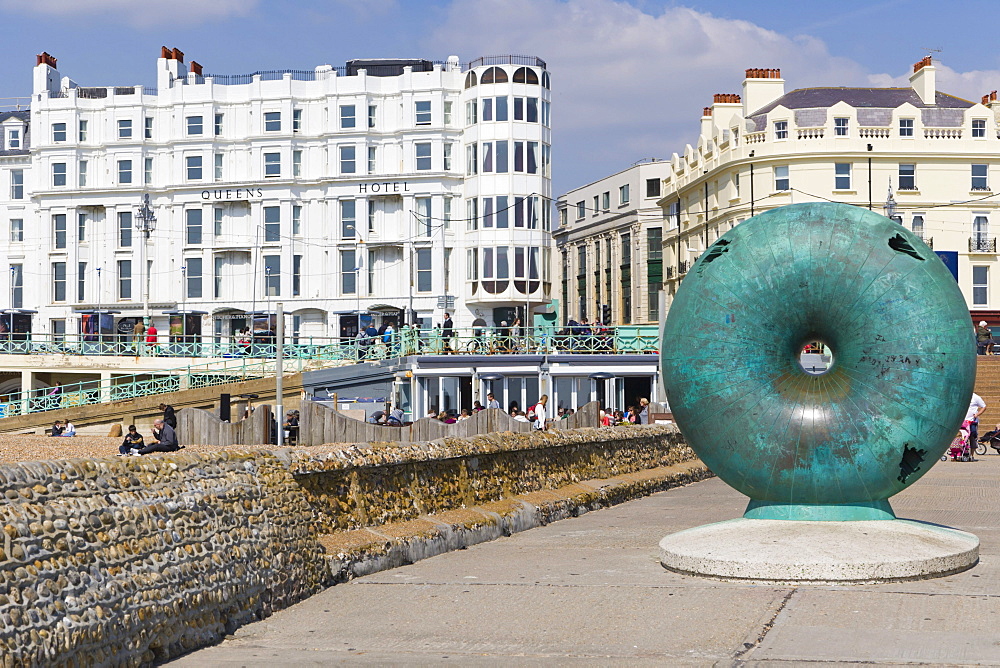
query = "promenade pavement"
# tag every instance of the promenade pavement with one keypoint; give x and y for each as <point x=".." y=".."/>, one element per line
<point x="590" y="590"/>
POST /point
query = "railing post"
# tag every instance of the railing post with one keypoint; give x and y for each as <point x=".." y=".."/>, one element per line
<point x="105" y="387"/>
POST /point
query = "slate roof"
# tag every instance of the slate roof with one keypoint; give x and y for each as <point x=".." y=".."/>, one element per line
<point x="886" y="98"/>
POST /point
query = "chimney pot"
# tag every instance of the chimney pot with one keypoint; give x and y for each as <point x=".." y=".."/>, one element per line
<point x="177" y="54"/>
<point x="196" y="67"/>
<point x="706" y="111"/>
<point x="44" y="58"/>
<point x="165" y="53"/>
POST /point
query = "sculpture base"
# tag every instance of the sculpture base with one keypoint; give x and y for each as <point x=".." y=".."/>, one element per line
<point x="816" y="512"/>
<point x="775" y="551"/>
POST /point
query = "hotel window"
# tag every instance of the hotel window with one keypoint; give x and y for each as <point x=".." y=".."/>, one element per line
<point x="58" y="132"/>
<point x="447" y="213"/>
<point x="471" y="214"/>
<point x="981" y="231"/>
<point x="296" y="163"/>
<point x="423" y="110"/>
<point x="272" y="275"/>
<point x="81" y="227"/>
<point x="218" y="124"/>
<point x="840" y="126"/>
<point x="581" y="210"/>
<point x="296" y="220"/>
<point x="781" y="129"/>
<point x="447" y="113"/>
<point x="471" y="161"/>
<point x="124" y="171"/>
<point x="501" y="157"/>
<point x="124" y="279"/>
<point x="842" y="176"/>
<point x="980" y="286"/>
<point x="81" y="281"/>
<point x="193" y="167"/>
<point x="296" y="120"/>
<point x="59" y="230"/>
<point x="652" y="187"/>
<point x="423" y="211"/>
<point x="372" y="109"/>
<point x="82" y="172"/>
<point x="423" y="156"/>
<point x="348" y="219"/>
<point x="272" y="165"/>
<point x="58" y="173"/>
<point x="272" y="224"/>
<point x="194" y="268"/>
<point x="623" y="195"/>
<point x="917" y="224"/>
<point x="347" y="164"/>
<point x="272" y="121"/>
<point x="147" y="171"/>
<point x="546" y="113"/>
<point x="503" y="212"/>
<point x="781" y="180"/>
<point x="596" y="210"/>
<point x="195" y="125"/>
<point x="17" y="184"/>
<point x="372" y="259"/>
<point x="218" y="166"/>
<point x="371" y="216"/>
<point x="296" y="275"/>
<point x="606" y="201"/>
<point x="217" y="221"/>
<point x="17" y="230"/>
<point x="348" y="273"/>
<point x="487" y="212"/>
<point x="83" y="130"/>
<point x="58" y="281"/>
<point x="907" y="177"/>
<point x="447" y="156"/>
<point x="471" y="112"/>
<point x="979" y="128"/>
<point x="347" y="118"/>
<point x="124" y="128"/>
<point x="424" y="270"/>
<point x="17" y="285"/>
<point x="906" y="127"/>
<point x="124" y="229"/>
<point x="220" y="263"/>
<point x="371" y="159"/>
<point x="192" y="227"/>
<point x="148" y="127"/>
<point x="979" y="177"/>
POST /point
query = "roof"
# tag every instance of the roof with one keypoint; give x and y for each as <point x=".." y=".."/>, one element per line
<point x="886" y="98"/>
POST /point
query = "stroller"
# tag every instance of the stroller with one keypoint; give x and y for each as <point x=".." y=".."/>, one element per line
<point x="990" y="439"/>
<point x="960" y="449"/>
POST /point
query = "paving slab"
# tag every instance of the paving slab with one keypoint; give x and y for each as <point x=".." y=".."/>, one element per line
<point x="590" y="590"/>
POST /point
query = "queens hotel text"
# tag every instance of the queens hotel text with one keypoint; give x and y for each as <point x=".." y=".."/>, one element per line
<point x="385" y="190"/>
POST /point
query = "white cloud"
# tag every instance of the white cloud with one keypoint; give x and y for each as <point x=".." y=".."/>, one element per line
<point x="628" y="84"/>
<point x="136" y="12"/>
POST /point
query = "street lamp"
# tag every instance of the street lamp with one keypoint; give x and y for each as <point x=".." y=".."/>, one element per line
<point x="145" y="222"/>
<point x="890" y="203"/>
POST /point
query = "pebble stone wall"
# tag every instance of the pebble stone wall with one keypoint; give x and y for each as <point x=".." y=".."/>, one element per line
<point x="130" y="561"/>
<point x="374" y="483"/>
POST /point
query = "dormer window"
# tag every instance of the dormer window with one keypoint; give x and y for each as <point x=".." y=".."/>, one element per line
<point x="906" y="127"/>
<point x="781" y="129"/>
<point x="840" y="127"/>
<point x="979" y="128"/>
<point x="13" y="138"/>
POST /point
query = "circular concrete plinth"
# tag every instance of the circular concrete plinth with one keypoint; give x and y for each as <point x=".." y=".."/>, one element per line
<point x="771" y="551"/>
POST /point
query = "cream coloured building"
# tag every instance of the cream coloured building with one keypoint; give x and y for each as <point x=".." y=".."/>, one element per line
<point x="928" y="159"/>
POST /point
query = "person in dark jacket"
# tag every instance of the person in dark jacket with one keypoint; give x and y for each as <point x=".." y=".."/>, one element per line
<point x="169" y="415"/>
<point x="133" y="441"/>
<point x="164" y="439"/>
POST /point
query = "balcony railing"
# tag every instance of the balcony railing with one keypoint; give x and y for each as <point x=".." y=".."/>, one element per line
<point x="669" y="272"/>
<point x="683" y="268"/>
<point x="927" y="240"/>
<point x="982" y="243"/>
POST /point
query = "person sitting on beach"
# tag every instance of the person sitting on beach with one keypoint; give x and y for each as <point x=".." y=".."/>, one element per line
<point x="132" y="443"/>
<point x="57" y="428"/>
<point x="69" y="429"/>
<point x="164" y="439"/>
<point x="396" y="417"/>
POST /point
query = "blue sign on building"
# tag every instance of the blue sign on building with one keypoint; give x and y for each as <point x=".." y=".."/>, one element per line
<point x="950" y="259"/>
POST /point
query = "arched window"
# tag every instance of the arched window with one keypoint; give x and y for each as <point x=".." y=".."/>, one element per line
<point x="525" y="75"/>
<point x="494" y="75"/>
<point x="545" y="80"/>
<point x="470" y="79"/>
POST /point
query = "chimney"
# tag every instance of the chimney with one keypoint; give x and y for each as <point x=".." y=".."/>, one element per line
<point x="196" y="67"/>
<point x="990" y="100"/>
<point x="170" y="66"/>
<point x="922" y="80"/>
<point x="760" y="88"/>
<point x="706" y="123"/>
<point x="45" y="77"/>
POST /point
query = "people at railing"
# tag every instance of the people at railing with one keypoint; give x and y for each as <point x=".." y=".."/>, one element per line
<point x="477" y="406"/>
<point x="491" y="401"/>
<point x="447" y="332"/>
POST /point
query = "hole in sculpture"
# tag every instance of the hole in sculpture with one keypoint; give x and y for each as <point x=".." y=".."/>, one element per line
<point x="816" y="358"/>
<point x="901" y="245"/>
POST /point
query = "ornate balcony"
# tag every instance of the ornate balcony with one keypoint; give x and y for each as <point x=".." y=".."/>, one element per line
<point x="982" y="243"/>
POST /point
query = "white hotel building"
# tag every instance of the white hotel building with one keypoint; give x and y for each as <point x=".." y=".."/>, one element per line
<point x="390" y="190"/>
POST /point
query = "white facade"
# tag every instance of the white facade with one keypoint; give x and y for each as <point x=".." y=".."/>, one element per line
<point x="934" y="153"/>
<point x="609" y="247"/>
<point x="335" y="191"/>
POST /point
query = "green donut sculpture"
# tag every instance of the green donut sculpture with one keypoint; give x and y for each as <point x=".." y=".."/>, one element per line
<point x="833" y="446"/>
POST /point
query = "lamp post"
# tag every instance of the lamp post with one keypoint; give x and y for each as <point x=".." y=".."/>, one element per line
<point x="890" y="203"/>
<point x="145" y="222"/>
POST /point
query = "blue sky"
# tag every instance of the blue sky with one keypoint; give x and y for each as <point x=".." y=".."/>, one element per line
<point x="629" y="77"/>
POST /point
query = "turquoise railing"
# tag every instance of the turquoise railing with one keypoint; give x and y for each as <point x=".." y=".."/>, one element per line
<point x="131" y="386"/>
<point x="631" y="339"/>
